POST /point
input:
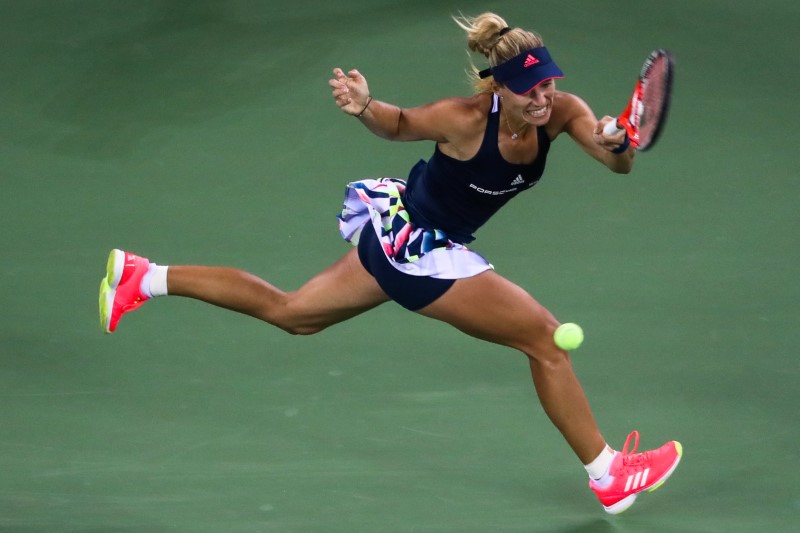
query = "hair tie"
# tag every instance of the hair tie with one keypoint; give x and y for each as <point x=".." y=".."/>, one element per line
<point x="503" y="31"/>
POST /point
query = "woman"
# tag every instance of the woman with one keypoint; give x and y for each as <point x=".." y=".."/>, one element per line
<point x="410" y="237"/>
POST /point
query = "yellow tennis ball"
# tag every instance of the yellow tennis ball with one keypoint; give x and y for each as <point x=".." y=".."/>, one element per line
<point x="568" y="336"/>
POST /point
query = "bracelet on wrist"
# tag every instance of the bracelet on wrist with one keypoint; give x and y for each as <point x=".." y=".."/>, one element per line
<point x="369" y="101"/>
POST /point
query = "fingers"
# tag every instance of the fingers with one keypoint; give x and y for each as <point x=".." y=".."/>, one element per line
<point x="349" y="91"/>
<point x="598" y="128"/>
<point x="341" y="92"/>
<point x="339" y="80"/>
<point x="608" y="142"/>
<point x="601" y="125"/>
<point x="355" y="75"/>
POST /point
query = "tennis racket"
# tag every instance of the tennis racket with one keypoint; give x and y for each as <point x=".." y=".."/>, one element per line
<point x="647" y="110"/>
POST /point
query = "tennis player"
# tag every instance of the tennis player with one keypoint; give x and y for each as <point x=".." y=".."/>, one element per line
<point x="410" y="237"/>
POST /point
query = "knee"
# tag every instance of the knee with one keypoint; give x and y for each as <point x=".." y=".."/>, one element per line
<point x="295" y="320"/>
<point x="290" y="316"/>
<point x="300" y="329"/>
<point x="542" y="349"/>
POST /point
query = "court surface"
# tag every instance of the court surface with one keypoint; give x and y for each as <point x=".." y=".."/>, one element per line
<point x="204" y="132"/>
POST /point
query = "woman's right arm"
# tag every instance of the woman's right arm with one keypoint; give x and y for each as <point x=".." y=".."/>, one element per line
<point x="429" y="122"/>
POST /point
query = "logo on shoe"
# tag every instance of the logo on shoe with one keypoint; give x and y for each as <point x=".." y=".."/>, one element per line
<point x="637" y="481"/>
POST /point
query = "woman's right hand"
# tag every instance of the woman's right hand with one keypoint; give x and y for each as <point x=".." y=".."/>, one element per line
<point x="350" y="91"/>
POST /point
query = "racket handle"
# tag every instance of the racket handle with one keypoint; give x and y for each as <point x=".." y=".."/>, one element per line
<point x="611" y="128"/>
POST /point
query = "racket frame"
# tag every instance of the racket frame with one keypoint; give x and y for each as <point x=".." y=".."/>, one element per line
<point x="629" y="120"/>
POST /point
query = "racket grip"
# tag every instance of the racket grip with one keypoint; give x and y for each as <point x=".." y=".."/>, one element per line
<point x="611" y="128"/>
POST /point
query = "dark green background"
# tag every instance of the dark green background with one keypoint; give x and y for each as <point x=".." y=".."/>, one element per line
<point x="204" y="132"/>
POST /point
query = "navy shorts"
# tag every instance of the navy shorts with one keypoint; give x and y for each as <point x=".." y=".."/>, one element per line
<point x="412" y="292"/>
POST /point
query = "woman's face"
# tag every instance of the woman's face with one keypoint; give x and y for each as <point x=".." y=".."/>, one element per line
<point x="535" y="106"/>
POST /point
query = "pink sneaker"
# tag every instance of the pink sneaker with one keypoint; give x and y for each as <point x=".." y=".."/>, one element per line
<point x="119" y="290"/>
<point x="633" y="473"/>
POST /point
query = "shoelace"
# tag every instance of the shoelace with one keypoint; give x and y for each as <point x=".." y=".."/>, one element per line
<point x="633" y="459"/>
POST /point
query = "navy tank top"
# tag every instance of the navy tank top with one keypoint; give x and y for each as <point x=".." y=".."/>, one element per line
<point x="458" y="197"/>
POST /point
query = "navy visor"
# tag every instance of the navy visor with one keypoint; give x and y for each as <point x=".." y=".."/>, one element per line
<point x="525" y="71"/>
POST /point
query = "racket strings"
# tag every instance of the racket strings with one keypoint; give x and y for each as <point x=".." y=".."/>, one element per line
<point x="655" y="95"/>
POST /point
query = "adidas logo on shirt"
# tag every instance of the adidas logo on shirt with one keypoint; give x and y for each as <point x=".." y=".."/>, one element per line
<point x="518" y="180"/>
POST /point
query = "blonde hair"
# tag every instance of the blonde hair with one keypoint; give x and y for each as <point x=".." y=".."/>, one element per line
<point x="484" y="36"/>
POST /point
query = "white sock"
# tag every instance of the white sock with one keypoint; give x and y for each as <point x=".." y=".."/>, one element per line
<point x="154" y="283"/>
<point x="599" y="467"/>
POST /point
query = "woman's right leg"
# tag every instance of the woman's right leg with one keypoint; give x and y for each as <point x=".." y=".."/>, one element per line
<point x="342" y="291"/>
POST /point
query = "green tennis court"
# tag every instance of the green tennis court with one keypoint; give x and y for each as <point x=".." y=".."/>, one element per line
<point x="204" y="132"/>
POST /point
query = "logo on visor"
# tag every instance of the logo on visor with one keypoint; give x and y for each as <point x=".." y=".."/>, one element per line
<point x="530" y="61"/>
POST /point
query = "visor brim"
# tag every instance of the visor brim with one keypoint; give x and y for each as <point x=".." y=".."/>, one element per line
<point x="528" y="81"/>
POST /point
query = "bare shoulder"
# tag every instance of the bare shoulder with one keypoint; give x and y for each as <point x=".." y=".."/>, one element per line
<point x="471" y="113"/>
<point x="567" y="107"/>
<point x="449" y="120"/>
<point x="470" y="105"/>
<point x="463" y="112"/>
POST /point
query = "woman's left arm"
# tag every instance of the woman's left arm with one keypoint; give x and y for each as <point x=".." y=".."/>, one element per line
<point x="582" y="125"/>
